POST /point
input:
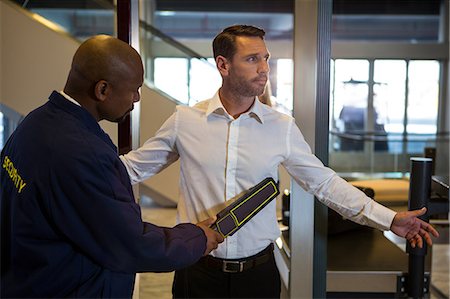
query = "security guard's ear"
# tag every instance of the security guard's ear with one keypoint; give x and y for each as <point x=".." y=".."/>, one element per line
<point x="101" y="90"/>
<point x="223" y="65"/>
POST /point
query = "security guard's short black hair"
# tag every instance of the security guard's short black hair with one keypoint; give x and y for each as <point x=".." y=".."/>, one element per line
<point x="224" y="44"/>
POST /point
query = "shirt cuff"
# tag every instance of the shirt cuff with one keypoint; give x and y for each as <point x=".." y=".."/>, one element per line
<point x="382" y="217"/>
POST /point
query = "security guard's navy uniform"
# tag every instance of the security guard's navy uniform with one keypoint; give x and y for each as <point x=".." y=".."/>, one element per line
<point x="69" y="224"/>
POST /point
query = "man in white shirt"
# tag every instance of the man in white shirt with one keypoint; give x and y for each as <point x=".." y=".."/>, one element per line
<point x="228" y="144"/>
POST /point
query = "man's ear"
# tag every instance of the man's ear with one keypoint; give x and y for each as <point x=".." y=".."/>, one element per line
<point x="222" y="65"/>
<point x="101" y="90"/>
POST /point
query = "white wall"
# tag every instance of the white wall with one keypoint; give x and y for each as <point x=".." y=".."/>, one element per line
<point x="155" y="109"/>
<point x="32" y="65"/>
<point x="35" y="60"/>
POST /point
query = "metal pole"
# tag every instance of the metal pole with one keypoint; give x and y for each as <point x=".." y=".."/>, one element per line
<point x="419" y="195"/>
<point x="124" y="34"/>
<point x="430" y="152"/>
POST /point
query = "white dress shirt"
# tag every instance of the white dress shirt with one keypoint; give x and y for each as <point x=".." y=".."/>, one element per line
<point x="221" y="157"/>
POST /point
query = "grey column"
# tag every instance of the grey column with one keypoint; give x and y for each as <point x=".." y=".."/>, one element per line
<point x="308" y="235"/>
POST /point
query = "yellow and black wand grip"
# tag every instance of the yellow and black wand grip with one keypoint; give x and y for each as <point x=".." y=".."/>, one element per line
<point x="233" y="217"/>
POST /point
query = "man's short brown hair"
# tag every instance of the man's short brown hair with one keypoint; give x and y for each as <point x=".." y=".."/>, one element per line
<point x="224" y="44"/>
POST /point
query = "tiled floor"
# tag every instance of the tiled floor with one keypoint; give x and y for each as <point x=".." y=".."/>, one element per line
<point x="440" y="270"/>
<point x="158" y="285"/>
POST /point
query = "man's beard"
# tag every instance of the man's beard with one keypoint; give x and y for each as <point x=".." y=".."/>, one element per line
<point x="247" y="88"/>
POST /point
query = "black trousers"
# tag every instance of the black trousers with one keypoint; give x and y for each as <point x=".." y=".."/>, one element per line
<point x="202" y="281"/>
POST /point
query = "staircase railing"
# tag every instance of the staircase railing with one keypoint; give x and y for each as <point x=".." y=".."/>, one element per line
<point x="175" y="69"/>
<point x="90" y="17"/>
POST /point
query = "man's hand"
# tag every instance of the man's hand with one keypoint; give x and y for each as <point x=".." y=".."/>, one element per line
<point x="408" y="226"/>
<point x="213" y="238"/>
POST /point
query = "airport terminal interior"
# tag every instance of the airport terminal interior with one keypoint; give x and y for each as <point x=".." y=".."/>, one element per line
<point x="366" y="80"/>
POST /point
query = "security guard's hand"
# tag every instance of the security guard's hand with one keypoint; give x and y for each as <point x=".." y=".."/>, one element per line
<point x="213" y="238"/>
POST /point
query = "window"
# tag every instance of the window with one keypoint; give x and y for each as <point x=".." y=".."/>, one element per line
<point x="205" y="80"/>
<point x="423" y="98"/>
<point x="349" y="103"/>
<point x="285" y="88"/>
<point x="423" y="93"/>
<point x="195" y="80"/>
<point x="383" y="110"/>
<point x="389" y="98"/>
<point x="173" y="83"/>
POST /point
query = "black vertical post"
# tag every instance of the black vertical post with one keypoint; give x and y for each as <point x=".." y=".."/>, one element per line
<point x="430" y="152"/>
<point x="419" y="195"/>
<point x="124" y="34"/>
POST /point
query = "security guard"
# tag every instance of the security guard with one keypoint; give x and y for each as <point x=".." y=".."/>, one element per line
<point x="69" y="223"/>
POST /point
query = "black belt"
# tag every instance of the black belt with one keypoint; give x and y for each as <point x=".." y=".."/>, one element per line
<point x="239" y="265"/>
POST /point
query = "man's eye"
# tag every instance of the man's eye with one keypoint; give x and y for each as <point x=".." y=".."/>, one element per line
<point x="251" y="59"/>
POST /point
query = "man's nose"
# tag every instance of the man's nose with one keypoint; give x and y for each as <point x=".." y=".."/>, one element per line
<point x="264" y="67"/>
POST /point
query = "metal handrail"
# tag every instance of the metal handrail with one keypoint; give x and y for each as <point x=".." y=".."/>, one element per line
<point x="168" y="39"/>
<point x="394" y="137"/>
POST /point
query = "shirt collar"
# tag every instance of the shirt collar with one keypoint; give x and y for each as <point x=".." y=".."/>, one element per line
<point x="215" y="106"/>
<point x="69" y="98"/>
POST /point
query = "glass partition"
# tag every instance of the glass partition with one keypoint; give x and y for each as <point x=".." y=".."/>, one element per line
<point x="176" y="70"/>
<point x="188" y="77"/>
<point x="382" y="112"/>
<point x="171" y="67"/>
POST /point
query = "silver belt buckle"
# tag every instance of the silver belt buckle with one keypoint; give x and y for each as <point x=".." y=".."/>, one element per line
<point x="226" y="263"/>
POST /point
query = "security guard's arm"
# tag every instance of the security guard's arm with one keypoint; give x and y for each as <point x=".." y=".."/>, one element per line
<point x="93" y="206"/>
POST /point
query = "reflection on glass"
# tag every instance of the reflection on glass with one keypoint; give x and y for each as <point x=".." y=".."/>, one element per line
<point x="350" y="101"/>
<point x="385" y="127"/>
<point x="389" y="98"/>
